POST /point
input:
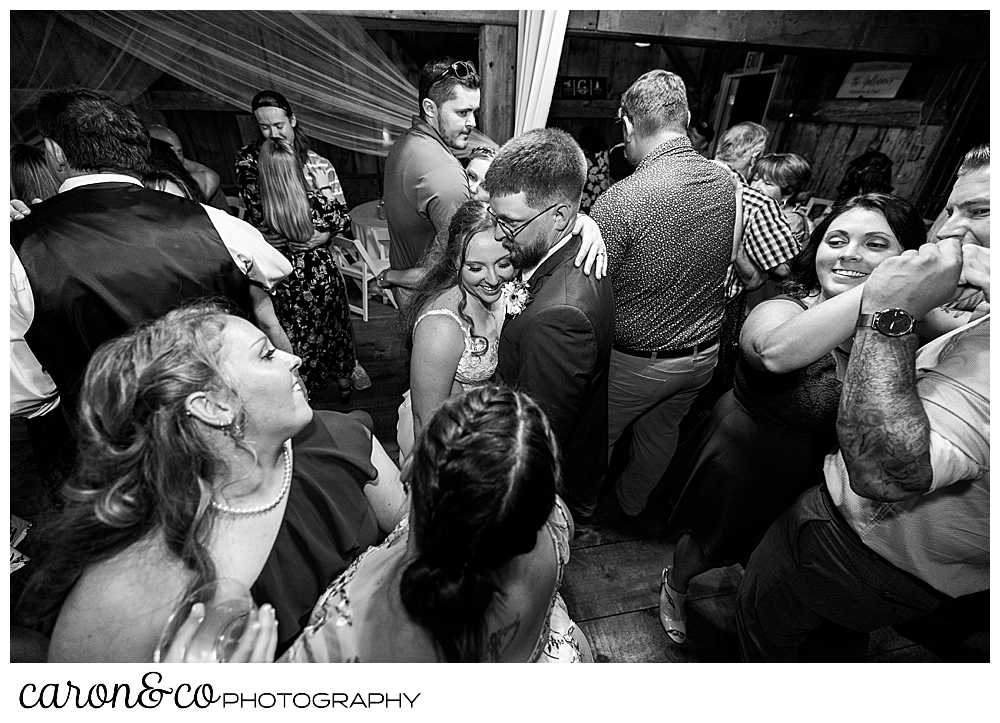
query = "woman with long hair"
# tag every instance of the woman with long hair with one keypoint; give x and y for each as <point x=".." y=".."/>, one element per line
<point x="199" y="459"/>
<point x="312" y="301"/>
<point x="330" y="217"/>
<point x="454" y="317"/>
<point x="30" y="177"/>
<point x="473" y="574"/>
<point x="766" y="439"/>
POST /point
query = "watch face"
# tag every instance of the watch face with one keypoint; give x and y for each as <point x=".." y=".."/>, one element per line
<point x="894" y="322"/>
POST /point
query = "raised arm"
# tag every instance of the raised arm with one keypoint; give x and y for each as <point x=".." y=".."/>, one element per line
<point x="883" y="429"/>
<point x="780" y="337"/>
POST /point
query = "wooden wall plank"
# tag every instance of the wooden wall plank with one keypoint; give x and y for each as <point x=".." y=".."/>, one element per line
<point x="902" y="113"/>
<point x="497" y="62"/>
<point x="961" y="34"/>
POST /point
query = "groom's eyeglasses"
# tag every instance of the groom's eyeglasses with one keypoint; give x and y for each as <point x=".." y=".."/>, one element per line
<point x="509" y="232"/>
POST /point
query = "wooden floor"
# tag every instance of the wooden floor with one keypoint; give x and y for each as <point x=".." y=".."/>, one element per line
<point x="612" y="581"/>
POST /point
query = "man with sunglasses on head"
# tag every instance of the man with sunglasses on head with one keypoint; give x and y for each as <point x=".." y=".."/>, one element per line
<point x="424" y="181"/>
<point x="556" y="348"/>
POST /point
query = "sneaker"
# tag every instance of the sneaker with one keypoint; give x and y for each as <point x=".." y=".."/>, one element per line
<point x="672" y="616"/>
<point x="360" y="378"/>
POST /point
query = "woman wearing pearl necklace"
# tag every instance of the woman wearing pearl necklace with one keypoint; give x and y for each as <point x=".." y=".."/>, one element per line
<point x="201" y="459"/>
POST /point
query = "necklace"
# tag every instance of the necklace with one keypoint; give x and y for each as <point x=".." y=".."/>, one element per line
<point x="243" y="511"/>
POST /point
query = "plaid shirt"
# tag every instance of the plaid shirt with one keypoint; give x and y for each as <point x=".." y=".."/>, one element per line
<point x="767" y="237"/>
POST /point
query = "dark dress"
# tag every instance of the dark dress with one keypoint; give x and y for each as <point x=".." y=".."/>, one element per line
<point x="311" y="303"/>
<point x="762" y="446"/>
<point x="328" y="520"/>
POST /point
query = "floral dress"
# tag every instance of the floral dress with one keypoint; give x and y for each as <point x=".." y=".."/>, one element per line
<point x="311" y="303"/>
<point x="598" y="179"/>
<point x="330" y="636"/>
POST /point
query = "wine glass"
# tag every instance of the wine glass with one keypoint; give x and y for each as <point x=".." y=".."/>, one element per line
<point x="228" y="610"/>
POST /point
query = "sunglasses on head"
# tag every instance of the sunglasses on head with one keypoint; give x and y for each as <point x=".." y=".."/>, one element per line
<point x="460" y="69"/>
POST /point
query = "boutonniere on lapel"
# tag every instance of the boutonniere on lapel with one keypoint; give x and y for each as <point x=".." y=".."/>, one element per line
<point x="515" y="297"/>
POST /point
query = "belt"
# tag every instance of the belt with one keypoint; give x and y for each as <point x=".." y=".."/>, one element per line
<point x="667" y="353"/>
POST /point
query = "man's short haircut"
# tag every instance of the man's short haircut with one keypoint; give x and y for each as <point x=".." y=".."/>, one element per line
<point x="442" y="89"/>
<point x="976" y="159"/>
<point x="546" y="164"/>
<point x="657" y="101"/>
<point x="740" y="141"/>
<point x="96" y="132"/>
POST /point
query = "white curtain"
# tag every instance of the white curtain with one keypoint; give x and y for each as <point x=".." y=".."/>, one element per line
<point x="540" y="35"/>
<point x="339" y="82"/>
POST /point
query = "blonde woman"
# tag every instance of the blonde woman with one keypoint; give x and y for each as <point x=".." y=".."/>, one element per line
<point x="311" y="302"/>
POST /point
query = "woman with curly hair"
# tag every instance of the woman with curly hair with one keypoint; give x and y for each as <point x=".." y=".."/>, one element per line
<point x="199" y="459"/>
<point x="766" y="439"/>
<point x="473" y="574"/>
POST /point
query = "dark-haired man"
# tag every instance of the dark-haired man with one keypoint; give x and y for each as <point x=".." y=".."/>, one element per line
<point x="105" y="254"/>
<point x="557" y="347"/>
<point x="424" y="181"/>
<point x="901" y="526"/>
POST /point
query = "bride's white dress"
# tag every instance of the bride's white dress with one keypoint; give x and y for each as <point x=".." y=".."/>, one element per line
<point x="474" y="368"/>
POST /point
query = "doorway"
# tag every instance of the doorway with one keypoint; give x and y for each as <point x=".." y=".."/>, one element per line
<point x="745" y="97"/>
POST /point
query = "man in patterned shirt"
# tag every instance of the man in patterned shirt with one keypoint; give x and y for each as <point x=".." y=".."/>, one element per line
<point x="669" y="232"/>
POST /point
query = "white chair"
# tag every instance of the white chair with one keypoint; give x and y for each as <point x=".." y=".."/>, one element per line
<point x="236" y="204"/>
<point x="356" y="263"/>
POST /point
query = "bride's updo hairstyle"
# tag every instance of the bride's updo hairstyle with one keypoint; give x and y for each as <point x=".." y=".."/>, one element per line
<point x="483" y="478"/>
<point x="143" y="463"/>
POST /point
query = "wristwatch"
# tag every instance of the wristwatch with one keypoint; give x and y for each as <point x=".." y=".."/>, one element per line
<point x="889" y="322"/>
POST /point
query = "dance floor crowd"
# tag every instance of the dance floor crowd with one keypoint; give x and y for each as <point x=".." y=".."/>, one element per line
<point x="828" y="378"/>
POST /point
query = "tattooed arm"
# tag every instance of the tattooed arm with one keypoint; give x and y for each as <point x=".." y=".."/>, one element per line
<point x="882" y="427"/>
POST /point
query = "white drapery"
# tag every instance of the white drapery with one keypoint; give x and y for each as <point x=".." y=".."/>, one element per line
<point x="540" y="35"/>
<point x="337" y="79"/>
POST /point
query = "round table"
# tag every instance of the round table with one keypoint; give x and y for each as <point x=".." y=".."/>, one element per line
<point x="370" y="229"/>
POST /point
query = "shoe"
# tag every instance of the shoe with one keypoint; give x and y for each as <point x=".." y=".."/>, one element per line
<point x="672" y="616"/>
<point x="344" y="390"/>
<point x="360" y="378"/>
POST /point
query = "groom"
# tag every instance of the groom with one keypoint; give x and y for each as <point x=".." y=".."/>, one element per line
<point x="557" y="348"/>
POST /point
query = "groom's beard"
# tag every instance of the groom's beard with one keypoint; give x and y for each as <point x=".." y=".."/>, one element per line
<point x="529" y="254"/>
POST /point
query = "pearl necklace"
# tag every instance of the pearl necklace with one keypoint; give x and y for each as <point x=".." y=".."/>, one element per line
<point x="243" y="511"/>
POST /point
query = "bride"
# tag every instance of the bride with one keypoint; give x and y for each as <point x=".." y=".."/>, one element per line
<point x="454" y="318"/>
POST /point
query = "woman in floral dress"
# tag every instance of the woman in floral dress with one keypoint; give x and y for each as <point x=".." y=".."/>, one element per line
<point x="312" y="302"/>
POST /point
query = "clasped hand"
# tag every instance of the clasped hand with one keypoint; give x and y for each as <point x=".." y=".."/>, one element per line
<point x="918" y="280"/>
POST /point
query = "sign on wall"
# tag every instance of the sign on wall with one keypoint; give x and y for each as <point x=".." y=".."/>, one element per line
<point x="582" y="88"/>
<point x="873" y="80"/>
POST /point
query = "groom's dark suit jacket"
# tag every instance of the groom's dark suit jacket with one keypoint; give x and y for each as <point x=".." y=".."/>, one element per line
<point x="557" y="350"/>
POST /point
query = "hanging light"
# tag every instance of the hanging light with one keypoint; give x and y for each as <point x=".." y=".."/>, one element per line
<point x="642" y="45"/>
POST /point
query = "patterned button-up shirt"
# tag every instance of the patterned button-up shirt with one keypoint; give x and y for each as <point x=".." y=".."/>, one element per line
<point x="669" y="232"/>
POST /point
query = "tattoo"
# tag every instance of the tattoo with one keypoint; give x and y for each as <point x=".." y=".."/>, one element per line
<point x="499" y="641"/>
<point x="883" y="430"/>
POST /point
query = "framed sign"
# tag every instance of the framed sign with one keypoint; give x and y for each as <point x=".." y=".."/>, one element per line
<point x="582" y="88"/>
<point x="873" y="80"/>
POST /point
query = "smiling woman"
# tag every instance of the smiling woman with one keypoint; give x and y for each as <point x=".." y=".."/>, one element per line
<point x="765" y="442"/>
<point x="200" y="459"/>
<point x="454" y="318"/>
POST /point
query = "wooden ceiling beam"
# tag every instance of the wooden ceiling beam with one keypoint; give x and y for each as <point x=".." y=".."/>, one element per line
<point x="958" y="34"/>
